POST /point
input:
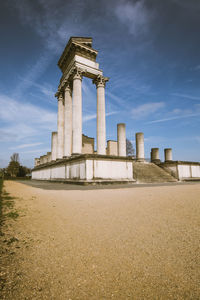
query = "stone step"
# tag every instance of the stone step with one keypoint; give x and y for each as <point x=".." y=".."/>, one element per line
<point x="150" y="173"/>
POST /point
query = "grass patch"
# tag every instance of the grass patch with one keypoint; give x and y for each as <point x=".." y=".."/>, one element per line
<point x="12" y="214"/>
<point x="6" y="205"/>
<point x="1" y="205"/>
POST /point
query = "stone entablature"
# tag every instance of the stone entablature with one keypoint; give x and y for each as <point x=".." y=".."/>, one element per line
<point x="77" y="46"/>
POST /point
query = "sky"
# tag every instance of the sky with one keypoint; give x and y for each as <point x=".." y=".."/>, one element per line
<point x="148" y="48"/>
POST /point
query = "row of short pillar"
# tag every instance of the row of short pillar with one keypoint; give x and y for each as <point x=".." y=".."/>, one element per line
<point x="155" y="155"/>
<point x="121" y="147"/>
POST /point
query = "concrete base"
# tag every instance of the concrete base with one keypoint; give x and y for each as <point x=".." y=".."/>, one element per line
<point x="87" y="169"/>
<point x="182" y="170"/>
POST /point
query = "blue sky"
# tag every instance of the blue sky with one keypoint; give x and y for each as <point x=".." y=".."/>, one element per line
<point x="149" y="49"/>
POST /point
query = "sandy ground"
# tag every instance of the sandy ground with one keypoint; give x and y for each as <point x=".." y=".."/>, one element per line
<point x="139" y="243"/>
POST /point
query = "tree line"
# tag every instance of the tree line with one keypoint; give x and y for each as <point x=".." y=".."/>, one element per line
<point x="14" y="168"/>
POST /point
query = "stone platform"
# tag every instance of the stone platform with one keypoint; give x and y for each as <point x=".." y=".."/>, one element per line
<point x="87" y="169"/>
<point x="182" y="170"/>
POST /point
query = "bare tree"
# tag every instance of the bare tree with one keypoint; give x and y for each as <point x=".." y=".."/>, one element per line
<point x="15" y="157"/>
<point x="13" y="167"/>
<point x="129" y="148"/>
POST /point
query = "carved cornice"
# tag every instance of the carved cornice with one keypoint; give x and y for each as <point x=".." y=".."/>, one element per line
<point x="81" y="46"/>
<point x="100" y="81"/>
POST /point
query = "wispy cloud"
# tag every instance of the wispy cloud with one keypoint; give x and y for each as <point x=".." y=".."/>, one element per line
<point x="197" y="138"/>
<point x="48" y="20"/>
<point x="22" y="119"/>
<point x="93" y="116"/>
<point x="40" y="151"/>
<point x="118" y="100"/>
<point x="45" y="89"/>
<point x="192" y="4"/>
<point x="32" y="75"/>
<point x="26" y="146"/>
<point x="144" y="110"/>
<point x="174" y="118"/>
<point x="135" y="15"/>
<point x="186" y="96"/>
<point x="196" y="68"/>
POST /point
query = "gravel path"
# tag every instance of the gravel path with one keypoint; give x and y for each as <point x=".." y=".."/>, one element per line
<point x="105" y="244"/>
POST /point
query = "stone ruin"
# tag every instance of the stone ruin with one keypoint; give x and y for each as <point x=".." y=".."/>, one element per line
<point x="73" y="157"/>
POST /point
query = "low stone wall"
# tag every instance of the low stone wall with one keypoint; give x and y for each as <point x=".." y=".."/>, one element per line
<point x="183" y="170"/>
<point x="86" y="168"/>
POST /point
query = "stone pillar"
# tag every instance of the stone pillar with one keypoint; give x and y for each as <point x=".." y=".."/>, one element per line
<point x="37" y="162"/>
<point x="54" y="145"/>
<point x="139" y="139"/>
<point x="45" y="159"/>
<point x="60" y="136"/>
<point x="121" y="139"/>
<point x="42" y="159"/>
<point x="68" y="121"/>
<point x="112" y="148"/>
<point x="168" y="154"/>
<point x="100" y="82"/>
<point x="77" y="113"/>
<point x="155" y="155"/>
<point x="48" y="156"/>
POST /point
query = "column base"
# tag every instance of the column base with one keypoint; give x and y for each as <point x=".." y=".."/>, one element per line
<point x="140" y="159"/>
<point x="76" y="154"/>
<point x="156" y="161"/>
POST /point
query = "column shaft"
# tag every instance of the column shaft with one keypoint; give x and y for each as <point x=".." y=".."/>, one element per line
<point x="60" y="138"/>
<point x="54" y="145"/>
<point x="139" y="146"/>
<point x="121" y="139"/>
<point x="100" y="82"/>
<point x="155" y="155"/>
<point x="68" y="122"/>
<point x="101" y="120"/>
<point x="77" y="114"/>
<point x="168" y="154"/>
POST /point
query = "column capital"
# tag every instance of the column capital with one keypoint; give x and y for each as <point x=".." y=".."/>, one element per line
<point x="60" y="97"/>
<point x="68" y="87"/>
<point x="77" y="73"/>
<point x="100" y="80"/>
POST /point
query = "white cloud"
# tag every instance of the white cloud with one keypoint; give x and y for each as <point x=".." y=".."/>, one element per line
<point x="144" y="110"/>
<point x="20" y="120"/>
<point x="24" y="112"/>
<point x="134" y="15"/>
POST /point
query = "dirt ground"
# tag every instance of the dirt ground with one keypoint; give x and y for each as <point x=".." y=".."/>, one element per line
<point x="130" y="243"/>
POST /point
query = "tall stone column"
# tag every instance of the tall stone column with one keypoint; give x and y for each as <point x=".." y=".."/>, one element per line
<point x="139" y="137"/>
<point x="77" y="113"/>
<point x="60" y="138"/>
<point x="54" y="145"/>
<point x="68" y="121"/>
<point x="168" y="154"/>
<point x="100" y="82"/>
<point x="155" y="155"/>
<point x="121" y="139"/>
